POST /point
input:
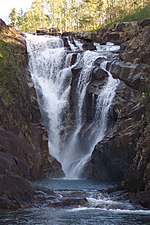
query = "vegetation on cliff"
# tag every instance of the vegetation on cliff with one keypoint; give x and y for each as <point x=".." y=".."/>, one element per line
<point x="23" y="140"/>
<point x="12" y="52"/>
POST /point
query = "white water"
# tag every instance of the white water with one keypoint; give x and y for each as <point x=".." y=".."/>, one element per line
<point x="51" y="73"/>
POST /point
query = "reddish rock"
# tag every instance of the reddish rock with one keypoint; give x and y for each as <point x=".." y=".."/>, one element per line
<point x="23" y="140"/>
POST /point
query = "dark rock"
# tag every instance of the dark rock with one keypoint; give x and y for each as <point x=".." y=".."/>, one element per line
<point x="112" y="157"/>
<point x="42" y="32"/>
<point x="54" y="31"/>
<point x="88" y="46"/>
<point x="66" y="43"/>
<point x="138" y="82"/>
<point x="6" y="203"/>
<point x="73" y="59"/>
<point x="55" y="169"/>
<point x="122" y="26"/>
<point x="102" y="31"/>
<point x="76" y="71"/>
<point x="15" y="192"/>
<point x="66" y="34"/>
<point x="144" y="23"/>
<point x="2" y="23"/>
<point x="142" y="198"/>
<point x="71" y="201"/>
<point x="99" y="74"/>
<point x="22" y="190"/>
<point x="145" y="57"/>
<point x="112" y="37"/>
<point x="98" y="62"/>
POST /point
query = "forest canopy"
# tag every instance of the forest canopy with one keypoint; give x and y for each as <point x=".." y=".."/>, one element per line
<point x="72" y="15"/>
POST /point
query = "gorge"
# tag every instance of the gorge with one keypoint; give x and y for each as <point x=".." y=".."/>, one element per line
<point x="94" y="100"/>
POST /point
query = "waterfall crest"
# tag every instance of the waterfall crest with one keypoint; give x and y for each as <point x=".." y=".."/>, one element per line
<point x="51" y="68"/>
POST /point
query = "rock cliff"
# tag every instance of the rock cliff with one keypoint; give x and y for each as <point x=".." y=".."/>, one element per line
<point x="124" y="154"/>
<point x="23" y="140"/>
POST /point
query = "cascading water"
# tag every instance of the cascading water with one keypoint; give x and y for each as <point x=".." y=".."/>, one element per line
<point x="51" y="69"/>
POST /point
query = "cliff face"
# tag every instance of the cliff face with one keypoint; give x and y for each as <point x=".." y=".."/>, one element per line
<point x="124" y="154"/>
<point x="23" y="139"/>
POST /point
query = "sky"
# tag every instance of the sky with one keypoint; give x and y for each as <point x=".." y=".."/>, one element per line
<point x="7" y="5"/>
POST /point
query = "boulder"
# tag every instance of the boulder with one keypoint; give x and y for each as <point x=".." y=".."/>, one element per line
<point x="141" y="198"/>
<point x="71" y="201"/>
<point x="88" y="46"/>
<point x="99" y="74"/>
<point x="15" y="191"/>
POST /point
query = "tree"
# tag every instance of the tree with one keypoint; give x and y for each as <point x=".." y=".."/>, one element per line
<point x="13" y="16"/>
<point x="72" y="15"/>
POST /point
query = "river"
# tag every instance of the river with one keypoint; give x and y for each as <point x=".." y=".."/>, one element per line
<point x="101" y="209"/>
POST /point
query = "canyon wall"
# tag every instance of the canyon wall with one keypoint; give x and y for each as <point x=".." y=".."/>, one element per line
<point x="23" y="139"/>
<point x="124" y="154"/>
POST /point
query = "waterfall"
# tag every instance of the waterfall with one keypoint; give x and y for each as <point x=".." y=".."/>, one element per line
<point x="51" y="69"/>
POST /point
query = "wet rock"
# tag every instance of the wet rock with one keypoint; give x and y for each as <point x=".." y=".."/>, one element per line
<point x="6" y="203"/>
<point x="142" y="198"/>
<point x="112" y="157"/>
<point x="107" y="161"/>
<point x="88" y="46"/>
<point x="98" y="62"/>
<point x="73" y="59"/>
<point x="72" y="201"/>
<point x="98" y="79"/>
<point x="99" y="74"/>
<point x="55" y="168"/>
<point x="71" y="39"/>
<point x="66" y="43"/>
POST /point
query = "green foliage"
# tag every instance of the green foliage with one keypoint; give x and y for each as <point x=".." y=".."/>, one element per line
<point x="139" y="14"/>
<point x="74" y="15"/>
<point x="7" y="61"/>
<point x="9" y="70"/>
<point x="13" y="16"/>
